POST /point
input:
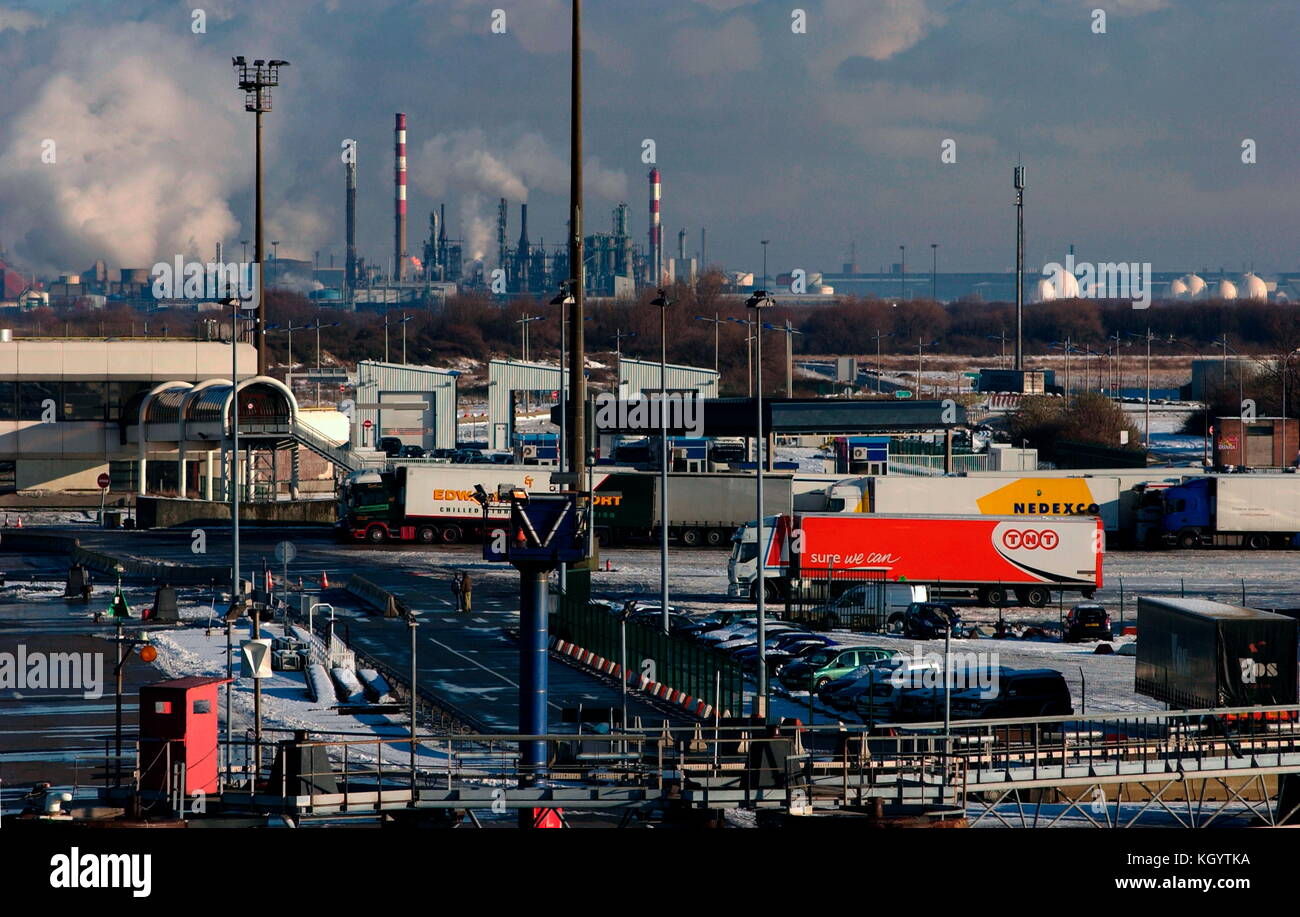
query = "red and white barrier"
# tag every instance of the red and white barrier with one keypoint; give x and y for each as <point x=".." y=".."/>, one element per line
<point x="701" y="708"/>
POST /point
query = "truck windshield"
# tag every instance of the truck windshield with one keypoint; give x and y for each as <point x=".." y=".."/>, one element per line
<point x="746" y="551"/>
<point x="360" y="495"/>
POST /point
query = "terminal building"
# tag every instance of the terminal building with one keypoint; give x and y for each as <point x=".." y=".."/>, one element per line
<point x="152" y="415"/>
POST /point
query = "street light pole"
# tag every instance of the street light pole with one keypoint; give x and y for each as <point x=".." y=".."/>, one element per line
<point x="757" y="302"/>
<point x="663" y="301"/>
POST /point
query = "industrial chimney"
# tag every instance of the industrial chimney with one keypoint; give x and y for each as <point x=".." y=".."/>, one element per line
<point x="350" y="268"/>
<point x="521" y="256"/>
<point x="656" y="231"/>
<point x="399" y="246"/>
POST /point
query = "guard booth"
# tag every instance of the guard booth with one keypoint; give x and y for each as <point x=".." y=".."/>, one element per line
<point x="178" y="736"/>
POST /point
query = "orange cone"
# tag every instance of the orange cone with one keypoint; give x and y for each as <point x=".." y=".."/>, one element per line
<point x="324" y="580"/>
<point x="20" y="521"/>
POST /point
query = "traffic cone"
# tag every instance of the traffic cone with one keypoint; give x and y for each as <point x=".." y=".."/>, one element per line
<point x="324" y="580"/>
<point x="20" y="521"/>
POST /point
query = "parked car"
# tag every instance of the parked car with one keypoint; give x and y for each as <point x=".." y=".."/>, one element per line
<point x="920" y="704"/>
<point x="713" y="622"/>
<point x="409" y="451"/>
<point x="1028" y="692"/>
<point x="389" y="445"/>
<point x="442" y="455"/>
<point x="874" y="685"/>
<point x="501" y="458"/>
<point x="1087" y="621"/>
<point x="819" y="668"/>
<point x="467" y="457"/>
<point x="928" y="620"/>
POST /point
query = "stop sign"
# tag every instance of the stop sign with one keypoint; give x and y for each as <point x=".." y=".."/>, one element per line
<point x="102" y="480"/>
<point x="367" y="424"/>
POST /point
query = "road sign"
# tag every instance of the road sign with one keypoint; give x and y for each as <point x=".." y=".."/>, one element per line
<point x="902" y="393"/>
<point x="285" y="552"/>
<point x="367" y="424"/>
<point x="102" y="480"/>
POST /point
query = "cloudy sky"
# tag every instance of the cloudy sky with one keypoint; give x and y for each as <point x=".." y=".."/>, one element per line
<point x="1132" y="139"/>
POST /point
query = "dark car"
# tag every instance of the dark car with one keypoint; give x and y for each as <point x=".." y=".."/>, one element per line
<point x="501" y="458"/>
<point x="928" y="620"/>
<point x="389" y="445"/>
<point x="467" y="457"/>
<point x="1089" y="621"/>
<point x="411" y="452"/>
<point x="1028" y="692"/>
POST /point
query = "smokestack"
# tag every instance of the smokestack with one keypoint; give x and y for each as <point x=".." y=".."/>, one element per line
<point x="501" y="233"/>
<point x="522" y="254"/>
<point x="350" y="268"/>
<point x="656" y="231"/>
<point x="681" y="244"/>
<point x="399" y="245"/>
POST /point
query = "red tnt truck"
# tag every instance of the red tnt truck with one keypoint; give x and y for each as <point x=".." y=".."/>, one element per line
<point x="993" y="556"/>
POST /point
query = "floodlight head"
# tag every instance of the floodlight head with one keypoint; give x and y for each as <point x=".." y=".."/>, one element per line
<point x="258" y="63"/>
<point x="663" y="300"/>
<point x="238" y="61"/>
<point x="759" y="300"/>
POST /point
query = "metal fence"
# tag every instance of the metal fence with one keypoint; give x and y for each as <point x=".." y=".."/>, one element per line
<point x="700" y="671"/>
<point x="828" y="598"/>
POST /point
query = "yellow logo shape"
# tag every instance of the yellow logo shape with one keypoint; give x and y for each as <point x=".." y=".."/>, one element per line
<point x="1040" y="497"/>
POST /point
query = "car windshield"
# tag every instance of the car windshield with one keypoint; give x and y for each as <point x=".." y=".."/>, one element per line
<point x="821" y="657"/>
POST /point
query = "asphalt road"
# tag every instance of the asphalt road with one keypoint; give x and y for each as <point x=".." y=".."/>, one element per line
<point x="469" y="661"/>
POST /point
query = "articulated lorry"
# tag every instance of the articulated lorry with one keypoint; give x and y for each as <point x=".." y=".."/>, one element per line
<point x="1228" y="510"/>
<point x="434" y="504"/>
<point x="993" y="557"/>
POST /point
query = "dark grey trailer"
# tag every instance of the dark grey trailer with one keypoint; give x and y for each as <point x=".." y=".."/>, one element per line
<point x="1197" y="654"/>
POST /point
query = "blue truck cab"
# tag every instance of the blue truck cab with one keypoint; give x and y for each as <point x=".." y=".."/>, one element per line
<point x="1189" y="512"/>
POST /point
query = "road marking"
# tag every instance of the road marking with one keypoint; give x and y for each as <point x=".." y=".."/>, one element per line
<point x="475" y="662"/>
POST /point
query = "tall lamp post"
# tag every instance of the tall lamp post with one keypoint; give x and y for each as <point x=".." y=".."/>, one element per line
<point x="256" y="81"/>
<point x="401" y="321"/>
<point x="663" y="301"/>
<point x="565" y="301"/>
<point x="789" y="331"/>
<point x="879" y="368"/>
<point x="764" y="243"/>
<point x="759" y="301"/>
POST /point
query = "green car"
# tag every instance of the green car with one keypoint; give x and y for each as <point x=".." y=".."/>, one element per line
<point x="821" y="666"/>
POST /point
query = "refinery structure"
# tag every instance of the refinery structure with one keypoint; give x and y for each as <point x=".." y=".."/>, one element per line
<point x="425" y="272"/>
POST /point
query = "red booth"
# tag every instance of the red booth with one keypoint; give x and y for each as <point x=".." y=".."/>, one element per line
<point x="178" y="724"/>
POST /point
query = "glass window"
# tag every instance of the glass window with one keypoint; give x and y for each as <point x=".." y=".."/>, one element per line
<point x="8" y="400"/>
<point x="119" y="393"/>
<point x="32" y="397"/>
<point x="8" y="477"/>
<point x="84" y="400"/>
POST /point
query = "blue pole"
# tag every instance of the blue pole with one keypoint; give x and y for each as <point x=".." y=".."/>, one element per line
<point x="533" y="640"/>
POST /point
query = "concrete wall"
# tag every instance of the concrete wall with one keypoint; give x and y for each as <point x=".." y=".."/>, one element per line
<point x="164" y="512"/>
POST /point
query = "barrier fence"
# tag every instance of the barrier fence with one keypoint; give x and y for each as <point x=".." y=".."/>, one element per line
<point x="699" y="671"/>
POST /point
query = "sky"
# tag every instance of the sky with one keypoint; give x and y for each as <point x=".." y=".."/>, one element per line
<point x="125" y="136"/>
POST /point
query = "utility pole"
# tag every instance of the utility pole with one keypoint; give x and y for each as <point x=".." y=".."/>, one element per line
<point x="577" y="352"/>
<point x="879" y="370"/>
<point x="934" y="271"/>
<point x="759" y="301"/>
<point x="663" y="301"/>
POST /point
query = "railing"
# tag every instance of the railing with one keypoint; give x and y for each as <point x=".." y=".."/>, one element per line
<point x="701" y="672"/>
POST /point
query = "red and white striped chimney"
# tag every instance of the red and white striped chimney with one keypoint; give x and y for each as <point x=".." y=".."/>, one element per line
<point x="399" y="215"/>
<point x="656" y="231"/>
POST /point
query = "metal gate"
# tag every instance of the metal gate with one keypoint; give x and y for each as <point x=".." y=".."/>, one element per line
<point x="830" y="598"/>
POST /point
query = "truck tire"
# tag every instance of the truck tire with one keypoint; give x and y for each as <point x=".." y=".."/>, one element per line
<point x="452" y="535"/>
<point x="715" y="537"/>
<point x="1189" y="538"/>
<point x="1033" y="596"/>
<point x="376" y="534"/>
<point x="770" y="591"/>
<point x="690" y="538"/>
<point x="426" y="534"/>
<point x="1259" y="541"/>
<point x="992" y="596"/>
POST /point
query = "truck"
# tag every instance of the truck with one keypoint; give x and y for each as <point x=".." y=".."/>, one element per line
<point x="1029" y="495"/>
<point x="993" y="557"/>
<point x="433" y="504"/>
<point x="704" y="510"/>
<point x="1195" y="654"/>
<point x="1231" y="510"/>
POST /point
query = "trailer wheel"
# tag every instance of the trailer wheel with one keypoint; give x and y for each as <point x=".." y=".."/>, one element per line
<point x="993" y="596"/>
<point x="1189" y="538"/>
<point x="452" y="535"/>
<point x="690" y="538"/>
<point x="770" y="592"/>
<point x="1033" y="596"/>
<point x="426" y="534"/>
<point x="714" y="537"/>
<point x="1258" y="541"/>
<point x="376" y="534"/>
